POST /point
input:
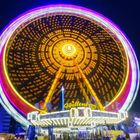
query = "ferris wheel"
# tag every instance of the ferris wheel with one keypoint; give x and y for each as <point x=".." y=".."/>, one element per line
<point x="62" y="45"/>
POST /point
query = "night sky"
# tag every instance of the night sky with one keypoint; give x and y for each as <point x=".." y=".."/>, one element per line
<point x="125" y="13"/>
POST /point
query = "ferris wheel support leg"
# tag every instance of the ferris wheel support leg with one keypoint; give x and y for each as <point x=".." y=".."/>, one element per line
<point x="51" y="91"/>
<point x="91" y="89"/>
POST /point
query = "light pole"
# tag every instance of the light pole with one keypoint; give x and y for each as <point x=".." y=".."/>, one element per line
<point x="62" y="98"/>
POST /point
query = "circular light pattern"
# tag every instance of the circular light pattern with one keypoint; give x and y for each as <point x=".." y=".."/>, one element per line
<point x="71" y="46"/>
<point x="69" y="51"/>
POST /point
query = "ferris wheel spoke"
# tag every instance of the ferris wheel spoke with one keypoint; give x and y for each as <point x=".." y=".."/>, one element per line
<point x="51" y="91"/>
<point x="90" y="88"/>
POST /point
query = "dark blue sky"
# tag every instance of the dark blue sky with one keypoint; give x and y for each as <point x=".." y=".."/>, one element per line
<point x="125" y="13"/>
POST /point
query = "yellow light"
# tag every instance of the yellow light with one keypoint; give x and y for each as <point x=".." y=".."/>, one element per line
<point x="69" y="50"/>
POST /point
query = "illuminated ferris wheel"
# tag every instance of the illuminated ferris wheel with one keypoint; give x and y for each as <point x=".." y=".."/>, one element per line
<point x="66" y="46"/>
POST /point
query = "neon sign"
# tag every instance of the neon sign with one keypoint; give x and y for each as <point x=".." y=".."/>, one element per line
<point x="79" y="104"/>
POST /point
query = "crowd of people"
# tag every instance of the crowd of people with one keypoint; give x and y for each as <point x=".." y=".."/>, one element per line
<point x="71" y="136"/>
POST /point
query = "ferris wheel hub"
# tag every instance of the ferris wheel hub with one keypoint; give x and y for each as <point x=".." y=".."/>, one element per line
<point x="69" y="50"/>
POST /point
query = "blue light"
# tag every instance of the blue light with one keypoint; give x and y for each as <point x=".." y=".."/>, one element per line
<point x="62" y="88"/>
<point x="62" y="98"/>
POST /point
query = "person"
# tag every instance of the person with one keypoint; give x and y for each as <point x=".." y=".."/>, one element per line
<point x="107" y="138"/>
<point x="123" y="137"/>
<point x="31" y="132"/>
<point x="137" y="137"/>
<point x="127" y="136"/>
<point x="118" y="137"/>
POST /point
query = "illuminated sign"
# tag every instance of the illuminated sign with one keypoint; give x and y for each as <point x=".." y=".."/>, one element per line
<point x="79" y="104"/>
